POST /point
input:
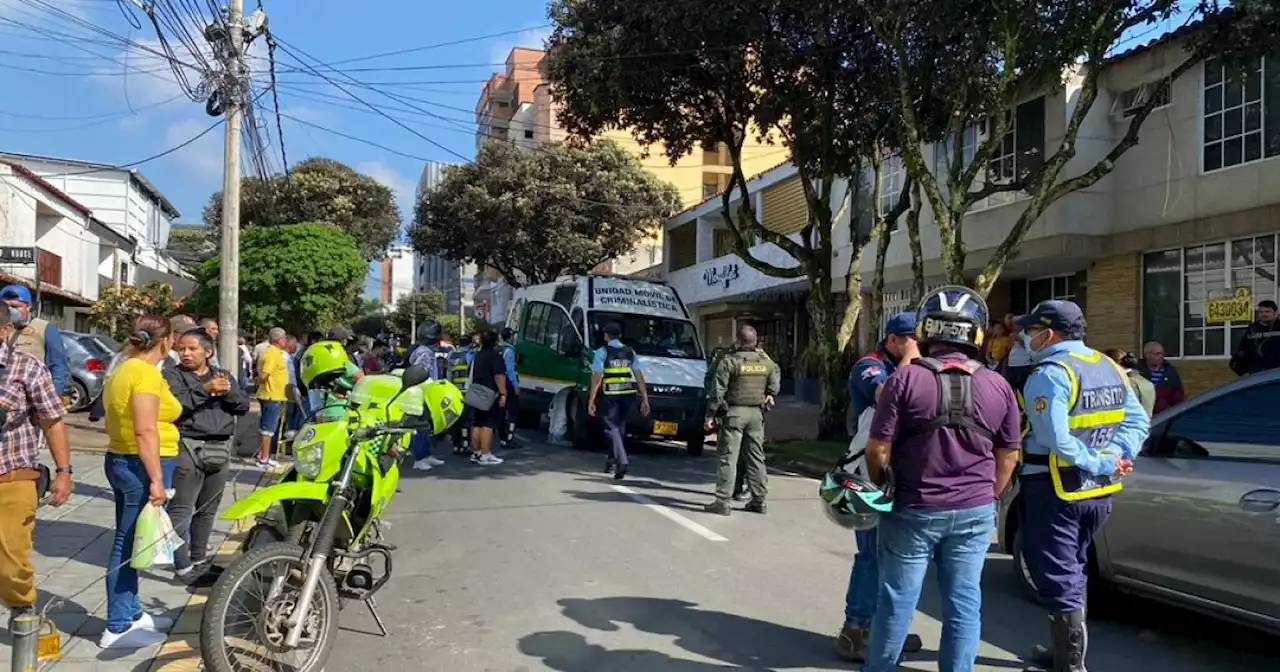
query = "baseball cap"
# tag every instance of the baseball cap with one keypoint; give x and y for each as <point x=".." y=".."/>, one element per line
<point x="1064" y="316"/>
<point x="16" y="292"/>
<point x="339" y="334"/>
<point x="901" y="324"/>
<point x="181" y="324"/>
<point x="613" y="328"/>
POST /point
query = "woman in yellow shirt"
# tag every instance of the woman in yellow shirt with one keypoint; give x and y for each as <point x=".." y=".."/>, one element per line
<point x="140" y="412"/>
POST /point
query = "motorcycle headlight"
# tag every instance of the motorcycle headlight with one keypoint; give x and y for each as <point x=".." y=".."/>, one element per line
<point x="308" y="459"/>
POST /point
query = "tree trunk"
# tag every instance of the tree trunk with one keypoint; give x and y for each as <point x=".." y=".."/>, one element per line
<point x="913" y="241"/>
<point x="830" y="370"/>
<point x="883" y="237"/>
<point x="852" y="310"/>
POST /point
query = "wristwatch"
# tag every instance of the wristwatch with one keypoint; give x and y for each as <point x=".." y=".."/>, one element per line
<point x="63" y="470"/>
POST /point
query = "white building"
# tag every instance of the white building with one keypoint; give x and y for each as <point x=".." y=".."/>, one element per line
<point x="397" y="275"/>
<point x="126" y="202"/>
<point x="74" y="253"/>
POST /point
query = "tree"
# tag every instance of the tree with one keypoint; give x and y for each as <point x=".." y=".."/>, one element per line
<point x="117" y="308"/>
<point x="799" y="73"/>
<point x="317" y="190"/>
<point x="449" y="323"/>
<point x="190" y="246"/>
<point x="297" y="276"/>
<point x="412" y="309"/>
<point x="369" y="319"/>
<point x="988" y="56"/>
<point x="538" y="214"/>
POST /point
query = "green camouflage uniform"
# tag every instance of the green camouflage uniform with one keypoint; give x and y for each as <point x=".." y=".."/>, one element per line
<point x="742" y="380"/>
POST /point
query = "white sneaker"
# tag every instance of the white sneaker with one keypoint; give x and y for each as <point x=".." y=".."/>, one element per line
<point x="153" y="622"/>
<point x="134" y="638"/>
<point x="434" y="461"/>
<point x="422" y="465"/>
<point x="489" y="459"/>
<point x="475" y="457"/>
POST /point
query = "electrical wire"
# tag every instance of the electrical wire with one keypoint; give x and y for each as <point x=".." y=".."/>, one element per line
<point x="139" y="162"/>
<point x="411" y="50"/>
<point x="90" y="117"/>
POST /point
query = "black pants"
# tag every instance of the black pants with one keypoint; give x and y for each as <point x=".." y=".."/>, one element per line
<point x="197" y="493"/>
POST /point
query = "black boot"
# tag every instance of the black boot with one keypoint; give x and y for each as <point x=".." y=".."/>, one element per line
<point x="1070" y="643"/>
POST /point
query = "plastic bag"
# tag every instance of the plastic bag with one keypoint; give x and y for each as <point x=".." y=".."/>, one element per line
<point x="154" y="539"/>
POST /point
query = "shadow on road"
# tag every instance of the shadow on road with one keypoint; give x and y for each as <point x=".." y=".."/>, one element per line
<point x="613" y="496"/>
<point x="736" y="640"/>
<point x="571" y="652"/>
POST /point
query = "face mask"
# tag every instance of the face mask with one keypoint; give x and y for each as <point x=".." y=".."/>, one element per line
<point x="1026" y="343"/>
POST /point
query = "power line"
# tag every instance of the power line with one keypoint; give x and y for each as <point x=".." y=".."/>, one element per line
<point x="132" y="164"/>
<point x="106" y="116"/>
<point x="353" y="138"/>
<point x="440" y="45"/>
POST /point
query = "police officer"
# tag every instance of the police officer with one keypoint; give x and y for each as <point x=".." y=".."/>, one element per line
<point x="1259" y="348"/>
<point x="616" y="381"/>
<point x="460" y="374"/>
<point x="38" y="338"/>
<point x="433" y="355"/>
<point x="1086" y="426"/>
<point x="745" y="381"/>
<point x="508" y="349"/>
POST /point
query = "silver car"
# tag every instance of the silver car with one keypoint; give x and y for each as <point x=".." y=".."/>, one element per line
<point x="87" y="359"/>
<point x="1198" y="521"/>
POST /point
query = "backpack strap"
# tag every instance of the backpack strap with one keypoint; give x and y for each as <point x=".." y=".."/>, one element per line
<point x="955" y="398"/>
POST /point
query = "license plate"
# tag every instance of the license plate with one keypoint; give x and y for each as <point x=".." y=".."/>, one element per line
<point x="665" y="428"/>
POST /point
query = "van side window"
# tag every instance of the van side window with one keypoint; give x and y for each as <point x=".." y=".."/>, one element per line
<point x="1239" y="425"/>
<point x="564" y="295"/>
<point x="536" y="324"/>
<point x="513" y="319"/>
<point x="556" y="322"/>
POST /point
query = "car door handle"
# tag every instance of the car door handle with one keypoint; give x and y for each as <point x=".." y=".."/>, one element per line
<point x="1260" y="501"/>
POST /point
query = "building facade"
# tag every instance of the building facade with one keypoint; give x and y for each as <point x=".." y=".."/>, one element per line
<point x="1168" y="247"/>
<point x="398" y="275"/>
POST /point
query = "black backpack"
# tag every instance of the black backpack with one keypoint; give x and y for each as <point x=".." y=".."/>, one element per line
<point x="955" y="398"/>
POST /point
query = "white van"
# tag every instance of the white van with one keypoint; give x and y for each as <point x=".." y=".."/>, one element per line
<point x="558" y="325"/>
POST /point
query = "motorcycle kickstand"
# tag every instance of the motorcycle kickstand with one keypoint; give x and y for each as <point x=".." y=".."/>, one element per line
<point x="373" y="610"/>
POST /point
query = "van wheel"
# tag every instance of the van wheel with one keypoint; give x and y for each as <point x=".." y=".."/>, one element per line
<point x="695" y="446"/>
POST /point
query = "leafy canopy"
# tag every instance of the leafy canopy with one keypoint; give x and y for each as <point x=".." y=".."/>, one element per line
<point x="117" y="308"/>
<point x="411" y="309"/>
<point x="317" y="190"/>
<point x="537" y="214"/>
<point x="297" y="276"/>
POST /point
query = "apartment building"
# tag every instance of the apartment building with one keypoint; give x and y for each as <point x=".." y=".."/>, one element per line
<point x="1187" y="223"/>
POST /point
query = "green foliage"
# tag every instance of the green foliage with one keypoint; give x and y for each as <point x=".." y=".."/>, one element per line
<point x="118" y="308"/>
<point x="296" y="276"/>
<point x="317" y="190"/>
<point x="537" y="214"/>
<point x="449" y="323"/>
<point x="412" y="309"/>
<point x="190" y="246"/>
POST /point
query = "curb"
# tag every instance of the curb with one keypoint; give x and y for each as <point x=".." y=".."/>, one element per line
<point x="181" y="651"/>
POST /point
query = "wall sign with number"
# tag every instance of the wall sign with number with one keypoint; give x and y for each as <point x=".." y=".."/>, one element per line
<point x="1238" y="308"/>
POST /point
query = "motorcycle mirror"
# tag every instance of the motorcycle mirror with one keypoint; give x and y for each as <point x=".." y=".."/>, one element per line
<point x="293" y="393"/>
<point x="413" y="376"/>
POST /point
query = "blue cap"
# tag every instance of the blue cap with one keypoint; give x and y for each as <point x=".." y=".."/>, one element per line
<point x="613" y="329"/>
<point x="16" y="292"/>
<point x="1064" y="316"/>
<point x="507" y="333"/>
<point x="901" y="324"/>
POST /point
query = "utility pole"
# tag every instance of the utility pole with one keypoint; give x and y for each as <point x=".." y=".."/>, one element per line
<point x="462" y="312"/>
<point x="233" y="98"/>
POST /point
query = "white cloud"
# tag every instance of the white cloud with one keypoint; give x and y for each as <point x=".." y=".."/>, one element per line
<point x="400" y="185"/>
<point x="534" y="36"/>
<point x="202" y="159"/>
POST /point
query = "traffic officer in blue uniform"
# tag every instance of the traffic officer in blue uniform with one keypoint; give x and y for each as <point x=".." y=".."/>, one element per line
<point x="1086" y="426"/>
<point x="512" y="413"/>
<point x="616" y="381"/>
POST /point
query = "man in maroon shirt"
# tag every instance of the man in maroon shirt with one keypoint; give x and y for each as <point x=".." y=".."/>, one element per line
<point x="945" y="436"/>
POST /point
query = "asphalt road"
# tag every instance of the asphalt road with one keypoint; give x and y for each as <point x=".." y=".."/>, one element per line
<point x="542" y="563"/>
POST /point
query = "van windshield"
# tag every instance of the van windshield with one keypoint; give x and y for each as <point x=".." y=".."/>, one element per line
<point x="648" y="335"/>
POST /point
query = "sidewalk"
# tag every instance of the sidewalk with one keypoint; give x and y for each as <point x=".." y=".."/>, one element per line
<point x="72" y="544"/>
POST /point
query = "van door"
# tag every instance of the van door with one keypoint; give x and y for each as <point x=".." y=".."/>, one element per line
<point x="549" y="360"/>
<point x="1200" y="514"/>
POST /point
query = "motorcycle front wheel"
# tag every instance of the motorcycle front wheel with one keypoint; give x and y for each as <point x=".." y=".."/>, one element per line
<point x="244" y="625"/>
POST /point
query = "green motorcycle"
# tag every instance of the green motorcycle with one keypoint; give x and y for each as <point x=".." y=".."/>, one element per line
<point x="276" y="606"/>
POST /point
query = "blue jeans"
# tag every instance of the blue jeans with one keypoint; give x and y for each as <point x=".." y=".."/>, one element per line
<point x="864" y="580"/>
<point x="129" y="484"/>
<point x="908" y="540"/>
<point x="420" y="444"/>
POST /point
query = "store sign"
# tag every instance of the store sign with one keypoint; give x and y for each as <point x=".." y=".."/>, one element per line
<point x="1237" y="308"/>
<point x="725" y="274"/>
<point x="17" y="255"/>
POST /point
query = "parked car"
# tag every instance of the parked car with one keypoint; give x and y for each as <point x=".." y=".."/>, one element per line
<point x="1197" y="524"/>
<point x="87" y="357"/>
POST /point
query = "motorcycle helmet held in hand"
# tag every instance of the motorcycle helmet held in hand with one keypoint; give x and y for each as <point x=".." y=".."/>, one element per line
<point x="852" y="501"/>
<point x="954" y="315"/>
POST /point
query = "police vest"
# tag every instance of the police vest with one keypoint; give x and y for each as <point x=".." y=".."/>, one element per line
<point x="31" y="339"/>
<point x="459" y="369"/>
<point x="618" y="379"/>
<point x="1095" y="411"/>
<point x="955" y="398"/>
<point x="748" y="379"/>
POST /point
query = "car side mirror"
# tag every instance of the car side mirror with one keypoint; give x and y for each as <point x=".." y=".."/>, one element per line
<point x="414" y="376"/>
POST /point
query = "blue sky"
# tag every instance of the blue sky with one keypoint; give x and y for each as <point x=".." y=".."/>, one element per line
<point x="83" y="105"/>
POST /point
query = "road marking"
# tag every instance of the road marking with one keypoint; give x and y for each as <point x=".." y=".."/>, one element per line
<point x="669" y="514"/>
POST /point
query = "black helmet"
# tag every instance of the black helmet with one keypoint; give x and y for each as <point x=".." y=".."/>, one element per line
<point x="954" y="315"/>
<point x="429" y="330"/>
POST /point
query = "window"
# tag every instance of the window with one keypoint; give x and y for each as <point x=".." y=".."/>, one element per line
<point x="1127" y="102"/>
<point x="710" y="191"/>
<point x="528" y="134"/>
<point x="893" y="176"/>
<point x="1240" y="126"/>
<point x="1178" y="284"/>
<point x="1021" y="150"/>
<point x="534" y="325"/>
<point x="554" y="327"/>
<point x="1239" y="425"/>
<point x="1025" y="294"/>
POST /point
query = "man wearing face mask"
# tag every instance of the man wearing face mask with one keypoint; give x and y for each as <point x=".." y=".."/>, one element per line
<point x="1086" y="426"/>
